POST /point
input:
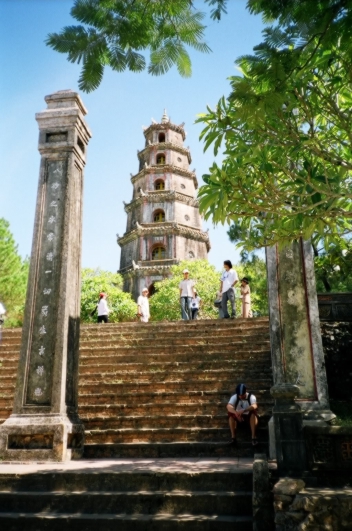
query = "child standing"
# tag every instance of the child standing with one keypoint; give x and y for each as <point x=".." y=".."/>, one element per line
<point x="246" y="297"/>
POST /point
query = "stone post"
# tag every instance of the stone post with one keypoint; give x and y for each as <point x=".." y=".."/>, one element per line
<point x="296" y="345"/>
<point x="288" y="426"/>
<point x="262" y="503"/>
<point x="44" y="424"/>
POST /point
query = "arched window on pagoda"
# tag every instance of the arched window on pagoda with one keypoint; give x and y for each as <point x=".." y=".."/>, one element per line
<point x="159" y="253"/>
<point x="159" y="216"/>
<point x="160" y="158"/>
<point x="161" y="137"/>
<point x="159" y="184"/>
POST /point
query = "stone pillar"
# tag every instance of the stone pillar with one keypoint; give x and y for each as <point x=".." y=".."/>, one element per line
<point x="296" y="345"/>
<point x="44" y="424"/>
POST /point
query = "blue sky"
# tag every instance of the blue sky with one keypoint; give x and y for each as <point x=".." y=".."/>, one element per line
<point x="116" y="113"/>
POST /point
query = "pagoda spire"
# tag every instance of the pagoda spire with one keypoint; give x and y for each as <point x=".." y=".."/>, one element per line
<point x="165" y="119"/>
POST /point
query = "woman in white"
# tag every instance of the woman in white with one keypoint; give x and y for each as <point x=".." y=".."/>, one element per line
<point x="143" y="306"/>
<point x="103" y="310"/>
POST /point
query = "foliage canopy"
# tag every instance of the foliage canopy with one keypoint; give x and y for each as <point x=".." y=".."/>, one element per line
<point x="116" y="33"/>
<point x="13" y="276"/>
<point x="286" y="130"/>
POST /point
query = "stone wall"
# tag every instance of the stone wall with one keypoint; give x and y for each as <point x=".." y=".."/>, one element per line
<point x="311" y="509"/>
<point x="337" y="345"/>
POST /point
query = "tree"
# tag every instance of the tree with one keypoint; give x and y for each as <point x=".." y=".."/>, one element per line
<point x="333" y="265"/>
<point x="287" y="166"/>
<point x="94" y="281"/>
<point x="117" y="32"/>
<point x="13" y="276"/>
<point x="165" y="303"/>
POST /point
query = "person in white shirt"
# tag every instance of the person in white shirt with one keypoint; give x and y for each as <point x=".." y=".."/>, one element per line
<point x="243" y="408"/>
<point x="2" y="317"/>
<point x="195" y="305"/>
<point x="143" y="306"/>
<point x="186" y="294"/>
<point x="228" y="281"/>
<point x="103" y="310"/>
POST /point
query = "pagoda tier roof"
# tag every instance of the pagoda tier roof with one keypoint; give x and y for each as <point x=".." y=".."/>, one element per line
<point x="164" y="227"/>
<point x="147" y="267"/>
<point x="166" y="145"/>
<point x="159" y="196"/>
<point x="165" y="168"/>
<point x="165" y="126"/>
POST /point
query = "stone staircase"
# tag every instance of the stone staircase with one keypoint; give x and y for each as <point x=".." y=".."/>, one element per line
<point x="135" y="495"/>
<point x="152" y="398"/>
<point x="161" y="389"/>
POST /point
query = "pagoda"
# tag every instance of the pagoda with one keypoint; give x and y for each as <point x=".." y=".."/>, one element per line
<point x="163" y="220"/>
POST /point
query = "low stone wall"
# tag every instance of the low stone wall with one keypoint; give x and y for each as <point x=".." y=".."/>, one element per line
<point x="311" y="509"/>
<point x="337" y="345"/>
<point x="329" y="447"/>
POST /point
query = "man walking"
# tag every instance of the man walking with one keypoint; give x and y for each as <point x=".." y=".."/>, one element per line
<point x="186" y="295"/>
<point x="229" y="279"/>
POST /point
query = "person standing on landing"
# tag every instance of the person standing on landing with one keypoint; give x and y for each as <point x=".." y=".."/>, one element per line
<point x="229" y="279"/>
<point x="186" y="287"/>
<point x="2" y="318"/>
<point x="103" y="310"/>
<point x="246" y="297"/>
<point x="143" y="306"/>
<point x="243" y="408"/>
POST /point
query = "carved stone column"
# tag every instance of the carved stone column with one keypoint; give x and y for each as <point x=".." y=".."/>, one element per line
<point x="44" y="424"/>
<point x="296" y="345"/>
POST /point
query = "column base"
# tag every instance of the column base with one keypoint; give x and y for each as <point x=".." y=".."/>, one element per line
<point x="41" y="438"/>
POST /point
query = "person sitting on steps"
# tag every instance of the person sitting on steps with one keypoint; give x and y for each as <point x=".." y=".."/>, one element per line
<point x="242" y="408"/>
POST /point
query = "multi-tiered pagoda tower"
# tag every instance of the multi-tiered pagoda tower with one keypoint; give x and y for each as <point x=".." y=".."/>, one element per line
<point x="163" y="220"/>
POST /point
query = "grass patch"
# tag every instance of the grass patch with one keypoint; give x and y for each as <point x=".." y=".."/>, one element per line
<point x="343" y="411"/>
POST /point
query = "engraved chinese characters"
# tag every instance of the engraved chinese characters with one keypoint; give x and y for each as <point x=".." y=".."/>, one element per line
<point x="40" y="369"/>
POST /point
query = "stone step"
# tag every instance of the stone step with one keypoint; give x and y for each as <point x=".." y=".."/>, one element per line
<point x="190" y="385"/>
<point x="169" y="376"/>
<point x="258" y="342"/>
<point x="167" y="421"/>
<point x="188" y="450"/>
<point x="14" y="344"/>
<point x="188" y="336"/>
<point x="245" y="357"/>
<point x="136" y="327"/>
<point x="178" y="324"/>
<point x="229" y="503"/>
<point x="91" y="364"/>
<point x="122" y="522"/>
<point x="132" y="475"/>
<point x="167" y="435"/>
<point x="128" y="399"/>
